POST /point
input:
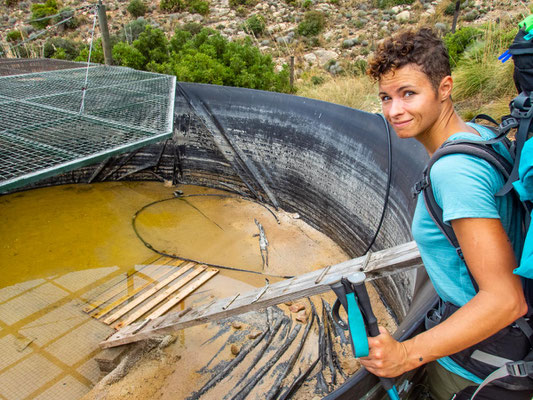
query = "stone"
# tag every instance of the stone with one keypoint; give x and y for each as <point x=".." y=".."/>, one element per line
<point x="347" y="43"/>
<point x="441" y="27"/>
<point x="324" y="56"/>
<point x="404" y="16"/>
<point x="254" y="335"/>
<point x="288" y="303"/>
<point x="296" y="307"/>
<point x="302" y="316"/>
<point x="395" y="10"/>
<point x="311" y="58"/>
<point x="235" y="349"/>
<point x="236" y="325"/>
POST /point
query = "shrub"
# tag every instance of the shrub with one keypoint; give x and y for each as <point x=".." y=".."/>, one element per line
<point x="153" y="45"/>
<point x="312" y="24"/>
<point x="61" y="48"/>
<point x="14" y="36"/>
<point x="132" y="30"/>
<point x="457" y="42"/>
<point x="97" y="53"/>
<point x="307" y="4"/>
<point x="450" y="9"/>
<point x="208" y="57"/>
<point x="293" y="3"/>
<point x="392" y="3"/>
<point x="137" y="8"/>
<point x="255" y="25"/>
<point x="317" y="80"/>
<point x="359" y="67"/>
<point x="128" y="56"/>
<point x="172" y="5"/>
<point x="245" y="3"/>
<point x="64" y="13"/>
<point x="10" y="3"/>
<point x="42" y="10"/>
<point x="199" y="7"/>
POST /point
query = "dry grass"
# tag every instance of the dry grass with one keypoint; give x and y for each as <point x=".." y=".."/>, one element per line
<point x="351" y="91"/>
<point x="482" y="83"/>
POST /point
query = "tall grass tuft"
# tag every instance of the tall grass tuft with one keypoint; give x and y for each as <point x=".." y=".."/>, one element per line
<point x="351" y="91"/>
<point x="481" y="82"/>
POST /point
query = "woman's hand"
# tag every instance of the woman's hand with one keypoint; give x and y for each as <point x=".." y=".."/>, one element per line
<point x="387" y="357"/>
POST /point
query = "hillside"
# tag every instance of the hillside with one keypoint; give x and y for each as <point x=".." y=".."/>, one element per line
<point x="327" y="38"/>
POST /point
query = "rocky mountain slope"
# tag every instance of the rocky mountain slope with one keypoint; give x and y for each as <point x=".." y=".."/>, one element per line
<point x="352" y="27"/>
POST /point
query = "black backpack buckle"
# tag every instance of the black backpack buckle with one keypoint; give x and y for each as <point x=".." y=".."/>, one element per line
<point x="420" y="185"/>
<point x="520" y="368"/>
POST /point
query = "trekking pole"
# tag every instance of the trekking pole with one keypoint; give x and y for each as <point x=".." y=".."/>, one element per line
<point x="354" y="298"/>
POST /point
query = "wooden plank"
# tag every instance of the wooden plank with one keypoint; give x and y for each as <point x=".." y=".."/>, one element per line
<point x="154" y="289"/>
<point x="396" y="259"/>
<point x="158" y="275"/>
<point x="114" y="290"/>
<point x="161" y="296"/>
<point x="183" y="293"/>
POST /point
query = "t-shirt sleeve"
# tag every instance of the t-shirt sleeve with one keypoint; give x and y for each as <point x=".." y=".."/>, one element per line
<point x="465" y="186"/>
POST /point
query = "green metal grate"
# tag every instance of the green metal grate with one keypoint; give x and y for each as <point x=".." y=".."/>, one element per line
<point x="44" y="133"/>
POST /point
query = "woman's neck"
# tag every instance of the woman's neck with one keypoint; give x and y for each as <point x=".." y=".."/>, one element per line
<point x="448" y="124"/>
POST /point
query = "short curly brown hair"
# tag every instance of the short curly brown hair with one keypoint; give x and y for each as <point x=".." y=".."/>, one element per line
<point x="421" y="47"/>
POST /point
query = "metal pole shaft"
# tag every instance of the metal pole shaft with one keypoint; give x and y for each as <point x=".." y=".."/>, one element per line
<point x="106" y="45"/>
<point x="291" y="76"/>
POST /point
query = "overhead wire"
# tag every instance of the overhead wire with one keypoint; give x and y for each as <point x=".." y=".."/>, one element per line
<point x="34" y="36"/>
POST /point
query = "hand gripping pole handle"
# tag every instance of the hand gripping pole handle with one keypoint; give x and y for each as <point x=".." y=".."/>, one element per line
<point x="373" y="330"/>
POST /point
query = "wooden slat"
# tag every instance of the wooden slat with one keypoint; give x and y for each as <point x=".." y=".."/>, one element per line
<point x="184" y="293"/>
<point x="161" y="297"/>
<point x="114" y="290"/>
<point x="139" y="299"/>
<point x="396" y="259"/>
<point x="158" y="275"/>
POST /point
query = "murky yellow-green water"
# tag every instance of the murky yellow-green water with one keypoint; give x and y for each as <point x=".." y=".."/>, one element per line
<point x="60" y="245"/>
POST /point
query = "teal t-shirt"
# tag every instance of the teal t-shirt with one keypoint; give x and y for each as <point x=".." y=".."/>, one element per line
<point x="464" y="187"/>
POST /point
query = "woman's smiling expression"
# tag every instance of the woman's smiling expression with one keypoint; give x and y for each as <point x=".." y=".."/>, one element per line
<point x="409" y="101"/>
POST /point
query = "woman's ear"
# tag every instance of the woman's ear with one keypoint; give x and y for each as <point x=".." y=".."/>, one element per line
<point x="445" y="88"/>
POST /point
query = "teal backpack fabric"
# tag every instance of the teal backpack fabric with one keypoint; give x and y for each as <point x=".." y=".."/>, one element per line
<point x="524" y="188"/>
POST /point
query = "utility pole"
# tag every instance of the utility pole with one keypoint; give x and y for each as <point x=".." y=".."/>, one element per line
<point x="456" y="15"/>
<point x="291" y="72"/>
<point x="106" y="45"/>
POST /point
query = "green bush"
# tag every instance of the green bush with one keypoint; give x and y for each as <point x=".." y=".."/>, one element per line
<point x="312" y="24"/>
<point x="245" y="3"/>
<point x="61" y="48"/>
<point x="132" y="30"/>
<point x="64" y="13"/>
<point x="293" y="3"/>
<point x="208" y="57"/>
<point x="192" y="27"/>
<point x="193" y="6"/>
<point x="359" y="67"/>
<point x="137" y="8"/>
<point x="97" y="53"/>
<point x="450" y="9"/>
<point x="317" y="80"/>
<point x="10" y="3"/>
<point x="128" y="56"/>
<point x="307" y="4"/>
<point x="14" y="36"/>
<point x="172" y="5"/>
<point x="199" y="7"/>
<point x="391" y="3"/>
<point x="42" y="10"/>
<point x="255" y="25"/>
<point x="457" y="42"/>
<point x="153" y="45"/>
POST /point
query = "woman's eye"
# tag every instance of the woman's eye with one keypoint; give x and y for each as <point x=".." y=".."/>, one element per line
<point x="384" y="98"/>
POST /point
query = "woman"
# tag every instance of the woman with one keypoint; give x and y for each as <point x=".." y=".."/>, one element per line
<point x="415" y="85"/>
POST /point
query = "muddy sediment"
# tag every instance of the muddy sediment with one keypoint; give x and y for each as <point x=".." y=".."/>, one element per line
<point x="76" y="229"/>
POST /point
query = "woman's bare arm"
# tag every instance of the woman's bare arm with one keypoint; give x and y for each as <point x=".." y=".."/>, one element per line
<point x="500" y="301"/>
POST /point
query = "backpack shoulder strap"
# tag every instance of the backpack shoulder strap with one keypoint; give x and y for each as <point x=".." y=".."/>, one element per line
<point x="476" y="148"/>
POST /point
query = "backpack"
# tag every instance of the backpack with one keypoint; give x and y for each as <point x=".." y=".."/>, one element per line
<point x="506" y="358"/>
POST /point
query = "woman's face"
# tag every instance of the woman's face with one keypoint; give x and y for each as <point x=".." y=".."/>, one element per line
<point x="409" y="101"/>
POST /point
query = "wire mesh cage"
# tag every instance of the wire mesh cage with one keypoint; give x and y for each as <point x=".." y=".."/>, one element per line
<point x="55" y="121"/>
